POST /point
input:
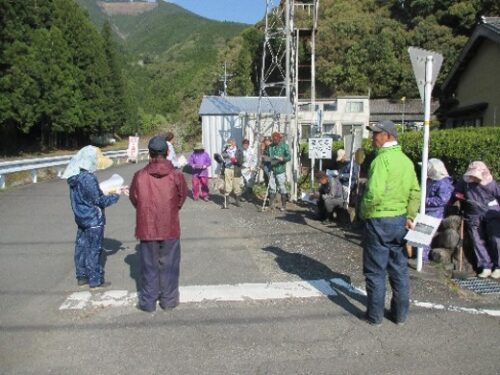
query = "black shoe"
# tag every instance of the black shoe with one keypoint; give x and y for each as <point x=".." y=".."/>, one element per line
<point x="82" y="281"/>
<point x="103" y="285"/>
<point x="146" y="309"/>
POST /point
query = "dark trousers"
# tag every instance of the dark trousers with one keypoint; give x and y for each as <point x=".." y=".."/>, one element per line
<point x="160" y="262"/>
<point x="88" y="250"/>
<point x="485" y="237"/>
<point x="383" y="251"/>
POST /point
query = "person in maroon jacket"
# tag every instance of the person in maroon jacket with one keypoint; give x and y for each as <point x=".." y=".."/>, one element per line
<point x="158" y="192"/>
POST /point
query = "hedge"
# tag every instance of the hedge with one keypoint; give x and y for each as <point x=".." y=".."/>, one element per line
<point x="455" y="147"/>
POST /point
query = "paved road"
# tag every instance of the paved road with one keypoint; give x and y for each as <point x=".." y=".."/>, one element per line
<point x="272" y="336"/>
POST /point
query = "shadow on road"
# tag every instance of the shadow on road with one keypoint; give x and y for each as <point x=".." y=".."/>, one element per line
<point x="299" y="217"/>
<point x="110" y="247"/>
<point x="308" y="268"/>
<point x="134" y="262"/>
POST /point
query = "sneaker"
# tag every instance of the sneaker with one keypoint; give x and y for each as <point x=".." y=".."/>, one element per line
<point x="103" y="285"/>
<point x="205" y="199"/>
<point x="495" y="274"/>
<point x="82" y="282"/>
<point x="485" y="273"/>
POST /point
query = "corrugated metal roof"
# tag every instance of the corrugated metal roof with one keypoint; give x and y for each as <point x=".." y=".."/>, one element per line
<point x="233" y="105"/>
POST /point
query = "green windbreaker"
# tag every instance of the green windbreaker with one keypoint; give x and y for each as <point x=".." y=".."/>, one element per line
<point x="274" y="150"/>
<point x="392" y="188"/>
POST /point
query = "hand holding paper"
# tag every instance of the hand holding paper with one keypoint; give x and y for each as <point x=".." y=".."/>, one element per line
<point x="112" y="185"/>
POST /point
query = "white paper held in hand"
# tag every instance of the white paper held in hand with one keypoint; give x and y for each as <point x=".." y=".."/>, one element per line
<point x="112" y="184"/>
<point x="425" y="227"/>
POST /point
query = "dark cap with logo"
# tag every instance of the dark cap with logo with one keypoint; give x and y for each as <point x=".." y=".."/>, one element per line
<point x="158" y="144"/>
<point x="386" y="126"/>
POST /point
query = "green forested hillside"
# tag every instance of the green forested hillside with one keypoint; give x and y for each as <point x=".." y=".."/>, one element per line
<point x="362" y="45"/>
<point x="171" y="61"/>
<point x="60" y="79"/>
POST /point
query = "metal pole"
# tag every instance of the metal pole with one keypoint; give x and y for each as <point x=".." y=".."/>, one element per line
<point x="425" y="151"/>
<point x="351" y="158"/>
<point x="298" y="130"/>
<point x="288" y="50"/>
<point x="313" y="82"/>
<point x="403" y="115"/>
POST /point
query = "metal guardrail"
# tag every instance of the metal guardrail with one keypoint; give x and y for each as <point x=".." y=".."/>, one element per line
<point x="34" y="165"/>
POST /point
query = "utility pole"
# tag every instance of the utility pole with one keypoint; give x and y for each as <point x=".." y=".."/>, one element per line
<point x="225" y="79"/>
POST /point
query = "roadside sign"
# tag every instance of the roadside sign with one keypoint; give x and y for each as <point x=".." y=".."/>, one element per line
<point x="320" y="148"/>
<point x="133" y="149"/>
<point x="418" y="57"/>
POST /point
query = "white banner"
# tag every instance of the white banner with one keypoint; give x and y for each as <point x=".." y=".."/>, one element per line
<point x="133" y="149"/>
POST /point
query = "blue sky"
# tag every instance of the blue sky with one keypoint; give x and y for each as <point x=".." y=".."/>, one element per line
<point x="245" y="11"/>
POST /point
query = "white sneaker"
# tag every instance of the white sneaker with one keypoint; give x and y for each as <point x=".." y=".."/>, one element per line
<point x="485" y="273"/>
<point x="496" y="274"/>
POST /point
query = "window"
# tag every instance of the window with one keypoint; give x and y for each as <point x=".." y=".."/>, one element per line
<point x="348" y="128"/>
<point x="306" y="131"/>
<point x="307" y="107"/>
<point x="354" y="107"/>
<point x="328" y="128"/>
<point x="330" y="107"/>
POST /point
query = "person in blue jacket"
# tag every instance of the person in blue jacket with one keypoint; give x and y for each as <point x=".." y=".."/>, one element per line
<point x="480" y="195"/>
<point x="438" y="193"/>
<point x="88" y="203"/>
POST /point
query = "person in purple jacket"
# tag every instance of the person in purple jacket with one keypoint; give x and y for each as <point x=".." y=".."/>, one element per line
<point x="480" y="195"/>
<point x="439" y="191"/>
<point x="199" y="162"/>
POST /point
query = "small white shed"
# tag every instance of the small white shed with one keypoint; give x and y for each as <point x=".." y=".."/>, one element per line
<point x="224" y="117"/>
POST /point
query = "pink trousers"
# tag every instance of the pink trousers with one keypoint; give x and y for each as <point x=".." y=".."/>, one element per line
<point x="200" y="182"/>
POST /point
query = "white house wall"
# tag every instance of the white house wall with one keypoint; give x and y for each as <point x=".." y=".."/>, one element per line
<point x="340" y="117"/>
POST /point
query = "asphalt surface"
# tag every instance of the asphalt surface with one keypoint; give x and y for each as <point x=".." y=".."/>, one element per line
<point x="239" y="245"/>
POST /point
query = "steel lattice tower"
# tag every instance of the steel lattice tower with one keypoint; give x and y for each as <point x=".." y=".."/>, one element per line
<point x="280" y="68"/>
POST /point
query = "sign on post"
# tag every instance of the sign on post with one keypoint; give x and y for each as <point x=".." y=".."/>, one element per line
<point x="426" y="66"/>
<point x="133" y="149"/>
<point x="418" y="57"/>
<point x="320" y="148"/>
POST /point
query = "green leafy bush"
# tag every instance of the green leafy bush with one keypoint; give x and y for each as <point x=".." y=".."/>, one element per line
<point x="455" y="147"/>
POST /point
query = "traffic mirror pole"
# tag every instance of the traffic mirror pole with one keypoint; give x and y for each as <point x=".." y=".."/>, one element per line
<point x="425" y="151"/>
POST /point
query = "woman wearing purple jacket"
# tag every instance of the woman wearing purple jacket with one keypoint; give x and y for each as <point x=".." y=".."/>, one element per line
<point x="199" y="162"/>
<point x="439" y="191"/>
<point x="480" y="196"/>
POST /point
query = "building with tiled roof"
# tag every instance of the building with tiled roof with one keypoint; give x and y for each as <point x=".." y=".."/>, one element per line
<point x="409" y="111"/>
<point x="471" y="92"/>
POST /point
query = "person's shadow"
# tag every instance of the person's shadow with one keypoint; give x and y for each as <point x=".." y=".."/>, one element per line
<point x="110" y="247"/>
<point x="134" y="262"/>
<point x="309" y="269"/>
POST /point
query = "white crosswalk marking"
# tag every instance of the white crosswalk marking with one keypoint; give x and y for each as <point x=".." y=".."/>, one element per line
<point x="247" y="292"/>
<point x="227" y="293"/>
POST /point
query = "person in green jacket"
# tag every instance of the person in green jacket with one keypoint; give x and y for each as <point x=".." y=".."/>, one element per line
<point x="389" y="206"/>
<point x="277" y="154"/>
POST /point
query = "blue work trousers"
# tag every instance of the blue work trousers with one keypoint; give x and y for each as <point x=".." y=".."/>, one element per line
<point x="88" y="251"/>
<point x="160" y="266"/>
<point x="383" y="251"/>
